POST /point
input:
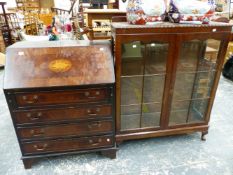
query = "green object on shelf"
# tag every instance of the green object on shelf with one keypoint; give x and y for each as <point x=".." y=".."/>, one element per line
<point x="53" y="37"/>
<point x="138" y="95"/>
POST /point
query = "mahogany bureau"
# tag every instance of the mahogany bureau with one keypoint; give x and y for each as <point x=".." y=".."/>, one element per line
<point x="61" y="98"/>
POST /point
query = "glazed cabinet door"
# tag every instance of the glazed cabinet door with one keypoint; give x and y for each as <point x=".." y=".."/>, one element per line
<point x="142" y="78"/>
<point x="194" y="84"/>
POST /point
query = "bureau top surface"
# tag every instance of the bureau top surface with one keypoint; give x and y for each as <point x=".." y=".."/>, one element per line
<point x="58" y="64"/>
<point x="124" y="27"/>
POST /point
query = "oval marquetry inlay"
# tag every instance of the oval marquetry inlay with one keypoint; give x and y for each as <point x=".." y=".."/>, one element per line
<point x="60" y="65"/>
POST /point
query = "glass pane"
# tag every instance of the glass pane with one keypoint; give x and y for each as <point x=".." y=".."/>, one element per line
<point x="153" y="88"/>
<point x="194" y="81"/>
<point x="178" y="117"/>
<point x="130" y="122"/>
<point x="188" y="111"/>
<point x="198" y="55"/>
<point x="203" y="84"/>
<point x="156" y="58"/>
<point x="142" y="84"/>
<point x="211" y="51"/>
<point x="131" y="90"/>
<point x="151" y="120"/>
<point x="183" y="86"/>
<point x="154" y="79"/>
<point x="151" y="114"/>
<point x="193" y="85"/>
<point x="198" y="110"/>
<point x="179" y="112"/>
<point x="132" y="59"/>
<point x="151" y="107"/>
<point x="131" y="109"/>
<point x="130" y="117"/>
<point x="190" y="52"/>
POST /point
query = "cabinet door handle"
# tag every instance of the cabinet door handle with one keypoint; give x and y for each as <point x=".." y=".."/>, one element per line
<point x="37" y="133"/>
<point x="95" y="143"/>
<point x="40" y="147"/>
<point x="94" y="125"/>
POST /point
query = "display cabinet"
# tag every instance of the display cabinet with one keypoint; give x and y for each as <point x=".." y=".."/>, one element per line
<point x="166" y="77"/>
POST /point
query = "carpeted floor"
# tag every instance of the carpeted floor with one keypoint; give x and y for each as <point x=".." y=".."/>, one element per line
<point x="176" y="155"/>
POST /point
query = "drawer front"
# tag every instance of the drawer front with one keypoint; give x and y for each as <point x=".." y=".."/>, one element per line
<point x="77" y="129"/>
<point x="65" y="114"/>
<point x="63" y="145"/>
<point x="62" y="97"/>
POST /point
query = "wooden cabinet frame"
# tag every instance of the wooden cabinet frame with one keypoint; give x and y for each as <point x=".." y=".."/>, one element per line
<point x="174" y="35"/>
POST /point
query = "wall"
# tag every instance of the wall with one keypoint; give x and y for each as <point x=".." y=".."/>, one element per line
<point x="62" y="4"/>
<point x="10" y="4"/>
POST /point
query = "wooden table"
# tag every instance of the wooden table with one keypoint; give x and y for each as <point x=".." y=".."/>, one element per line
<point x="104" y="15"/>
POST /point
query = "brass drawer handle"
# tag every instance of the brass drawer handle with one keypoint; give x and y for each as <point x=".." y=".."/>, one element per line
<point x="94" y="125"/>
<point x="35" y="98"/>
<point x="37" y="133"/>
<point x="95" y="143"/>
<point x="36" y="117"/>
<point x="90" y="113"/>
<point x="87" y="94"/>
<point x="40" y="148"/>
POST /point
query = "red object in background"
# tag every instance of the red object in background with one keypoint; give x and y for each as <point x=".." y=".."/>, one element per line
<point x="68" y="27"/>
<point x="48" y="29"/>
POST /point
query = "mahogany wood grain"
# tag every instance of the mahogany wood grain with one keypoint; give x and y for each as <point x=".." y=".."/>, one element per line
<point x="64" y="97"/>
<point x="74" y="129"/>
<point x="167" y="132"/>
<point x="76" y="65"/>
<point x="62" y="145"/>
<point x="62" y="114"/>
<point x="123" y="28"/>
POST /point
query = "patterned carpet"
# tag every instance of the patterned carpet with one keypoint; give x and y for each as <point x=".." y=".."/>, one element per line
<point x="181" y="155"/>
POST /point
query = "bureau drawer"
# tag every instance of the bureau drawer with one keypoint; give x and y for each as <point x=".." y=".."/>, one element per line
<point x="64" y="114"/>
<point x="62" y="97"/>
<point x="63" y="145"/>
<point x="77" y="129"/>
